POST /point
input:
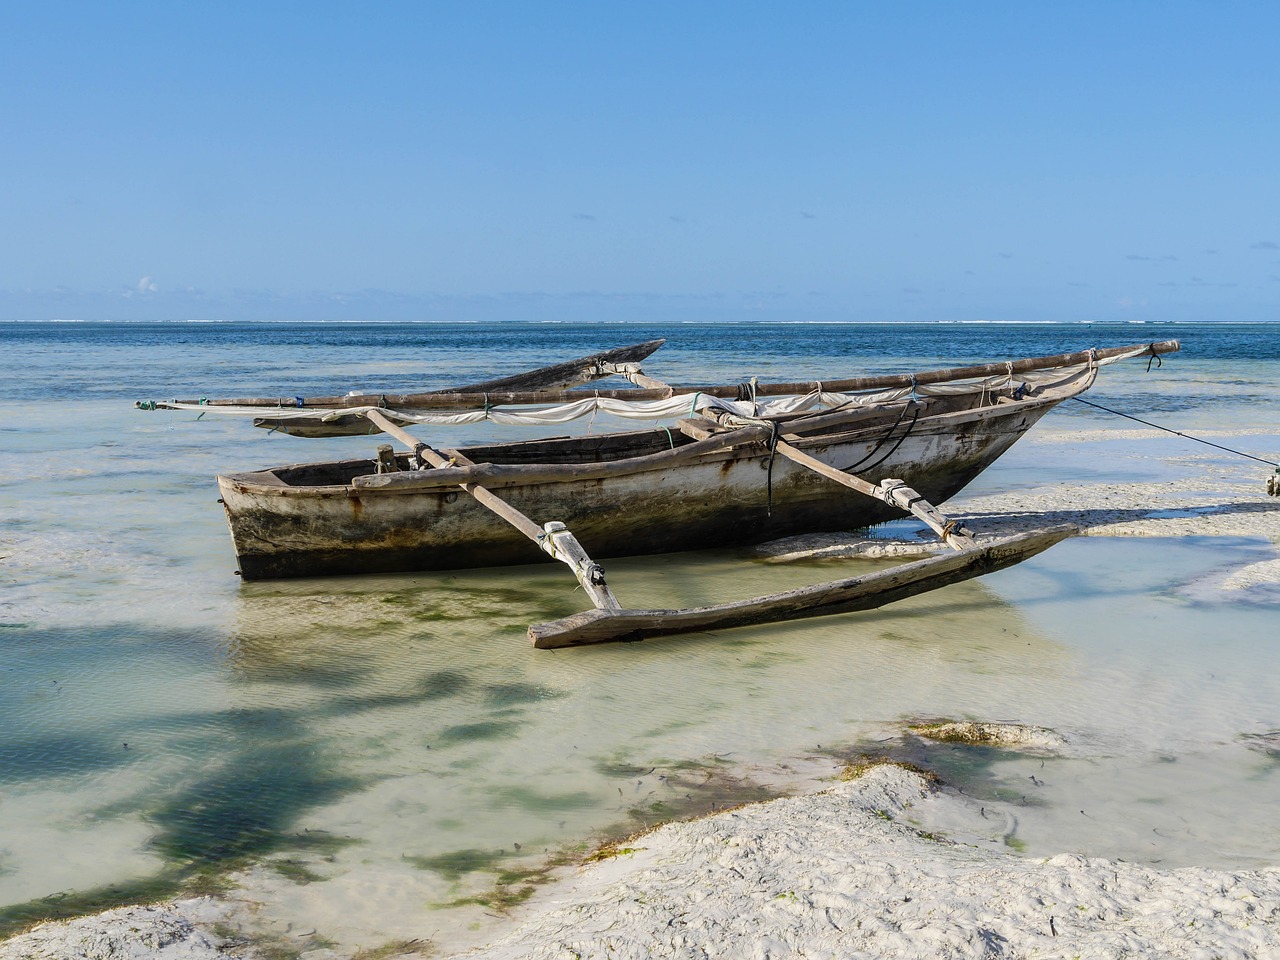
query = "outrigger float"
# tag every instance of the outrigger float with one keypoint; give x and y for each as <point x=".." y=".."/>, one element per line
<point x="739" y="464"/>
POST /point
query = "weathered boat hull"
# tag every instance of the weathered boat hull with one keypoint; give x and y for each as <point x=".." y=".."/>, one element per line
<point x="286" y="524"/>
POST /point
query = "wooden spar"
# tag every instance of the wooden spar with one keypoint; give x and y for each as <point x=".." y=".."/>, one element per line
<point x="621" y="361"/>
<point x="515" y="474"/>
<point x="839" y="596"/>
<point x="893" y="492"/>
<point x="557" y="376"/>
<point x="472" y="400"/>
<point x="637" y="376"/>
<point x="465" y="399"/>
<point x="554" y="538"/>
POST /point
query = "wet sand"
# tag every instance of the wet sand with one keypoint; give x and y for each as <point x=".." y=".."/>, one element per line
<point x="883" y="864"/>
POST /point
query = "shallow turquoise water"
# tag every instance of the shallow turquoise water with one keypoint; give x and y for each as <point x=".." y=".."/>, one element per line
<point x="160" y="716"/>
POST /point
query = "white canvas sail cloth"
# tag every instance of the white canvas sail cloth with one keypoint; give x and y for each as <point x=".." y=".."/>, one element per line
<point x="682" y="405"/>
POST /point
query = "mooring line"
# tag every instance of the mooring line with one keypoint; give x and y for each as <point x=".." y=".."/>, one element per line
<point x="1177" y="433"/>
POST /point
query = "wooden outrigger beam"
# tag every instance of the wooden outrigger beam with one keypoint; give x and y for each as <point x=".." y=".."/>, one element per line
<point x="471" y="399"/>
<point x="553" y="538"/>
<point x="969" y="560"/>
<point x="893" y="492"/>
<point x="610" y="622"/>
<point x="839" y="596"/>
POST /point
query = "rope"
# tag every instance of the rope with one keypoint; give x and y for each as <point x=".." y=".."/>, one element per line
<point x="1156" y="357"/>
<point x="1176" y="433"/>
<point x="670" y="439"/>
<point x="773" y="455"/>
<point x="915" y="409"/>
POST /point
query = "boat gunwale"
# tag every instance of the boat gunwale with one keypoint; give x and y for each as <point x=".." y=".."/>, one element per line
<point x="435" y="482"/>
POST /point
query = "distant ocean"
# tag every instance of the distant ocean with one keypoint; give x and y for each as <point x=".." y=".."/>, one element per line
<point x="373" y="746"/>
<point x="81" y="361"/>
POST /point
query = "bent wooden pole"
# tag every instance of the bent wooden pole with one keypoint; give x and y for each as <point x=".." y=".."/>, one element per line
<point x="893" y="492"/>
<point x="839" y="596"/>
<point x="554" y="538"/>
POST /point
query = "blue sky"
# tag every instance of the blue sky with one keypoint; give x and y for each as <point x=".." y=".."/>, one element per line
<point x="657" y="161"/>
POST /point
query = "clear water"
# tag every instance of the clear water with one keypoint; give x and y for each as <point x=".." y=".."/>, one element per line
<point x="360" y="749"/>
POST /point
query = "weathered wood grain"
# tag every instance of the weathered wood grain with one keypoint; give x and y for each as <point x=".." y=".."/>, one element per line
<point x="839" y="596"/>
<point x="470" y="399"/>
<point x="553" y="538"/>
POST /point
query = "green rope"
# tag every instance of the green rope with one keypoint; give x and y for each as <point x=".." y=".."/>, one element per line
<point x="670" y="439"/>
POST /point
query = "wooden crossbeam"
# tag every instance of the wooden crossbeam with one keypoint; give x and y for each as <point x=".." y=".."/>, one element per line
<point x="553" y="538"/>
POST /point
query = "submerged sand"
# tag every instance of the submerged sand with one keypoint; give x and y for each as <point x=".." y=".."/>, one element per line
<point x="886" y="864"/>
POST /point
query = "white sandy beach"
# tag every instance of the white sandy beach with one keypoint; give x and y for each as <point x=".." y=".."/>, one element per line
<point x="857" y="870"/>
<point x="886" y="864"/>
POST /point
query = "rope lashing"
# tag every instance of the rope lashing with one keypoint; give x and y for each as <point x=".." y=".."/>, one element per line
<point x="300" y="401"/>
<point x="862" y="464"/>
<point x="1176" y="433"/>
<point x="1273" y="484"/>
<point x="1154" y="356"/>
<point x="419" y="456"/>
<point x="773" y="455"/>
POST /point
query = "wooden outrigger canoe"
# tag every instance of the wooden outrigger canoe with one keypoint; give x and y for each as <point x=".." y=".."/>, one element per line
<point x="737" y="469"/>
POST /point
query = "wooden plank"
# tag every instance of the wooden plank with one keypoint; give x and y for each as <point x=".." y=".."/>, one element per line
<point x="470" y="400"/>
<point x="839" y="596"/>
<point x="502" y="474"/>
<point x="553" y="539"/>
